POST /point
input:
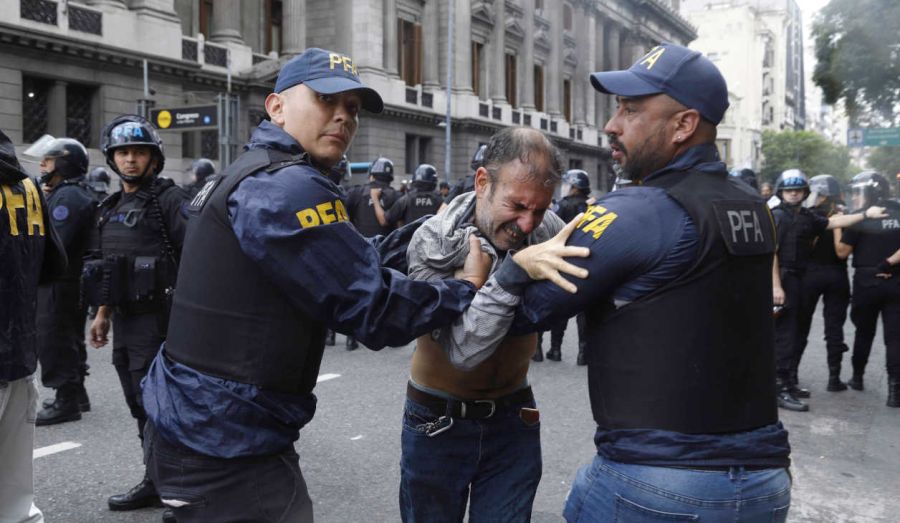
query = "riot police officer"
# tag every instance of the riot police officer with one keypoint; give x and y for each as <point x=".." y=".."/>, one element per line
<point x="139" y="236"/>
<point x="467" y="184"/>
<point x="875" y="246"/>
<point x="98" y="181"/>
<point x="61" y="347"/>
<point x="826" y="276"/>
<point x="745" y="175"/>
<point x="201" y="169"/>
<point x="797" y="229"/>
<point x="31" y="254"/>
<point x="368" y="203"/>
<point x="420" y="200"/>
<point x="576" y="188"/>
<point x="337" y="174"/>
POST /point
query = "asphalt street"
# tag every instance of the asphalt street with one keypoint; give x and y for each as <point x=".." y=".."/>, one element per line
<point x="846" y="451"/>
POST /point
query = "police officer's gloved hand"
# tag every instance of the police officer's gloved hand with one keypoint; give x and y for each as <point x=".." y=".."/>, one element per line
<point x="884" y="268"/>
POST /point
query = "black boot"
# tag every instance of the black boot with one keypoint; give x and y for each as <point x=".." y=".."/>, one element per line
<point x="168" y="516"/>
<point x="893" y="391"/>
<point x="795" y="387"/>
<point x="329" y="338"/>
<point x="580" y="360"/>
<point x="788" y="401"/>
<point x="538" y="355"/>
<point x="351" y="343"/>
<point x="834" y="380"/>
<point x="63" y="408"/>
<point x="141" y="495"/>
<point x="554" y="354"/>
<point x="856" y="382"/>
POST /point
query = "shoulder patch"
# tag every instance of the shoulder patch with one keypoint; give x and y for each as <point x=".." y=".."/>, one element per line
<point x="200" y="199"/>
<point x="60" y="213"/>
<point x="747" y="227"/>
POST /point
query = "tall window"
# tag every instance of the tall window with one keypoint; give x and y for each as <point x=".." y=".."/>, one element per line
<point x="511" y="80"/>
<point x="539" y="88"/>
<point x="409" y="59"/>
<point x="273" y="26"/>
<point x="206" y="14"/>
<point x="477" y="62"/>
<point x="538" y="5"/>
<point x="416" y="151"/>
<point x="35" y="92"/>
<point x="567" y="17"/>
<point x="567" y="99"/>
<point x="80" y="112"/>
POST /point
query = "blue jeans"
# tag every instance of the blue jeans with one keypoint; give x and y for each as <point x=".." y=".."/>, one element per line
<point x="610" y="491"/>
<point x="493" y="463"/>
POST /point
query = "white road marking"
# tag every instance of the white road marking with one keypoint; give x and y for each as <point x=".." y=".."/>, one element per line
<point x="326" y="377"/>
<point x="354" y="438"/>
<point x="53" y="449"/>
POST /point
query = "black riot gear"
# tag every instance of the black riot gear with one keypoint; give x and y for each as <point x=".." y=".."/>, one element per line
<point x="745" y="175"/>
<point x="425" y="177"/>
<point x="98" y="180"/>
<point x="340" y="172"/>
<point x="132" y="130"/>
<point x="202" y="167"/>
<point x="791" y="179"/>
<point x="869" y="188"/>
<point x="478" y="157"/>
<point x="71" y="159"/>
<point x="382" y="169"/>
<point x="578" y="179"/>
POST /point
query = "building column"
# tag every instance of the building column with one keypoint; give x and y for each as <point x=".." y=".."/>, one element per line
<point x="56" y="109"/>
<point x="462" y="45"/>
<point x="613" y="53"/>
<point x="432" y="30"/>
<point x="498" y="46"/>
<point x="226" y="22"/>
<point x="526" y="101"/>
<point x="599" y="64"/>
<point x="554" y="74"/>
<point x="293" y="27"/>
<point x="583" y="48"/>
<point x="390" y="38"/>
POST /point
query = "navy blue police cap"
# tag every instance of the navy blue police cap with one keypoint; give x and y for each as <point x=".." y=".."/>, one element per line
<point x="683" y="74"/>
<point x="327" y="72"/>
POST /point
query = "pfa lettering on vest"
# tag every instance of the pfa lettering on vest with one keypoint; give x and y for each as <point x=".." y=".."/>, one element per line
<point x="746" y="227"/>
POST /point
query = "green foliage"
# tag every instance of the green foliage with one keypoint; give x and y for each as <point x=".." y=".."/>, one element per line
<point x="885" y="160"/>
<point x="858" y="57"/>
<point x="806" y="151"/>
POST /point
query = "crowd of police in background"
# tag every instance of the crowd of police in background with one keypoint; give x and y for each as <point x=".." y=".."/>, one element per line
<point x="124" y="247"/>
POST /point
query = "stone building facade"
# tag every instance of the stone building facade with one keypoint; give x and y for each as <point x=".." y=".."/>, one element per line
<point x="66" y="67"/>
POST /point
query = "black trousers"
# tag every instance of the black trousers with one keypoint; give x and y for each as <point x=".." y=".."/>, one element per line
<point x="60" y="334"/>
<point x="873" y="296"/>
<point x="829" y="282"/>
<point x="137" y="338"/>
<point x="557" y="332"/>
<point x="205" y="488"/>
<point x="786" y="324"/>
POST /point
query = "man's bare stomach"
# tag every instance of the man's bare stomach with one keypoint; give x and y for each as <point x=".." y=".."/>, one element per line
<point x="501" y="374"/>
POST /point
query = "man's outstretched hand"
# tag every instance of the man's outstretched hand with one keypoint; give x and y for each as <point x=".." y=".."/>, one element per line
<point x="545" y="261"/>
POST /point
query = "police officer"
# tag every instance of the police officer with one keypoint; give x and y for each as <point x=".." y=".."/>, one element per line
<point x="338" y="174"/>
<point x="444" y="189"/>
<point x="420" y="200"/>
<point x="797" y="229"/>
<point x="825" y="277"/>
<point x="368" y="204"/>
<point x="61" y="346"/>
<point x="233" y="385"/>
<point x="467" y="184"/>
<point x="31" y="254"/>
<point x="576" y="188"/>
<point x="875" y="245"/>
<point x="98" y="181"/>
<point x="137" y="245"/>
<point x="745" y="175"/>
<point x="201" y="169"/>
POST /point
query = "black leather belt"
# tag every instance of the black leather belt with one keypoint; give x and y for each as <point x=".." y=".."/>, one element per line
<point x="724" y="468"/>
<point x="468" y="409"/>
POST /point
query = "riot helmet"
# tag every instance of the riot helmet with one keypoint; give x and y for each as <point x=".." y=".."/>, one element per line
<point x="70" y="159"/>
<point x="202" y="167"/>
<point x="425" y="177"/>
<point x="340" y="171"/>
<point x="745" y="175"/>
<point x="131" y="130"/>
<point x="478" y="157"/>
<point x="868" y="188"/>
<point x="382" y="169"/>
<point x="791" y="179"/>
<point x="98" y="179"/>
<point x="824" y="188"/>
<point x="576" y="178"/>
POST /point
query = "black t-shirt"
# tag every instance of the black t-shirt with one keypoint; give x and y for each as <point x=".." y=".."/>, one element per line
<point x="875" y="240"/>
<point x="823" y="252"/>
<point x="797" y="231"/>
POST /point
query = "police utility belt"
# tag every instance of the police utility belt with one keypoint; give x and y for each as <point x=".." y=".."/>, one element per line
<point x="133" y="285"/>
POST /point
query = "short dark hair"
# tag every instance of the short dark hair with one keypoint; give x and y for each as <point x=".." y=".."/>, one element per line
<point x="522" y="143"/>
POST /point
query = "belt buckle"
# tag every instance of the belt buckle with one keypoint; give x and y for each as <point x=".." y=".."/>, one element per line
<point x="492" y="403"/>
